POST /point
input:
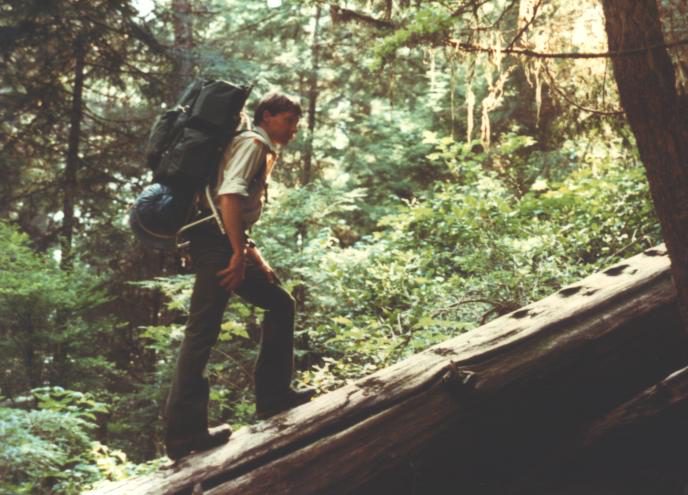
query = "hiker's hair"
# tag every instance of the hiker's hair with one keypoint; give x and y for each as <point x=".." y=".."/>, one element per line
<point x="275" y="103"/>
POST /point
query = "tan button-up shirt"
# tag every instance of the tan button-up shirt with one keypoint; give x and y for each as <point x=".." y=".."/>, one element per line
<point x="245" y="169"/>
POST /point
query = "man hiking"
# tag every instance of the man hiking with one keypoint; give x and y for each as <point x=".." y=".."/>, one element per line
<point x="231" y="263"/>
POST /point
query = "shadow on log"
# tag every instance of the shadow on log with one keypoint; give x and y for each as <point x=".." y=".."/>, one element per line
<point x="571" y="394"/>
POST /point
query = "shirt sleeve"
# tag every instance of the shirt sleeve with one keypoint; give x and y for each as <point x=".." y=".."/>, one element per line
<point x="240" y="165"/>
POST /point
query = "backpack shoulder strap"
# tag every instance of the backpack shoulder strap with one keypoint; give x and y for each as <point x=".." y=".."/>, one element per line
<point x="251" y="134"/>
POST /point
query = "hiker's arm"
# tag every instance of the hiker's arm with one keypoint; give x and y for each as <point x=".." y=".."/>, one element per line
<point x="230" y="210"/>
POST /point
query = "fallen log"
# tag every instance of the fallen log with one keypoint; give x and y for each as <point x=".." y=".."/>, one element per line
<point x="476" y="410"/>
<point x="659" y="400"/>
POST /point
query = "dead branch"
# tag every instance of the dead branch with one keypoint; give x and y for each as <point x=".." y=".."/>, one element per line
<point x="567" y="99"/>
<point x="525" y="26"/>
<point x="340" y="14"/>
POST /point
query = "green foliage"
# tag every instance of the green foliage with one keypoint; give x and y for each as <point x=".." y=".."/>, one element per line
<point x="41" y="452"/>
<point x="429" y="26"/>
<point x="68" y="402"/>
<point x="45" y="317"/>
<point x="471" y="249"/>
<point x="50" y="449"/>
<point x="387" y="157"/>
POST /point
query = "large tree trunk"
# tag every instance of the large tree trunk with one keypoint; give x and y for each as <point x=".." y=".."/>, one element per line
<point x="501" y="406"/>
<point x="658" y="117"/>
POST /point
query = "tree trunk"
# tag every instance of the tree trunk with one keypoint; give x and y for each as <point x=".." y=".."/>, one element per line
<point x="72" y="159"/>
<point x="69" y="197"/>
<point x="299" y="291"/>
<point x="658" y="117"/>
<point x="33" y="369"/>
<point x="312" y="100"/>
<point x="389" y="4"/>
<point x="182" y="23"/>
<point x="483" y="408"/>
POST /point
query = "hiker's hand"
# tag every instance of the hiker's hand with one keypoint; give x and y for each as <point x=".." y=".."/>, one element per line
<point x="233" y="276"/>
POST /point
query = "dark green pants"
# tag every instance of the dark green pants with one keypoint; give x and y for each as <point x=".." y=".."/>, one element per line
<point x="187" y="403"/>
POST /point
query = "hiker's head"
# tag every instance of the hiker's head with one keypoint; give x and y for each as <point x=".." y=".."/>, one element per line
<point x="278" y="114"/>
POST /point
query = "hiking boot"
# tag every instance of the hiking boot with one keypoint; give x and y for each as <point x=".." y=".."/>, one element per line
<point x="180" y="446"/>
<point x="293" y="398"/>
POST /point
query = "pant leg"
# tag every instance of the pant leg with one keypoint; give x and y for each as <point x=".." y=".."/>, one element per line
<point x="187" y="403"/>
<point x="275" y="362"/>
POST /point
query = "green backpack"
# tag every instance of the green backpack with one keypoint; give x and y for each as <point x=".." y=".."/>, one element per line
<point x="186" y="143"/>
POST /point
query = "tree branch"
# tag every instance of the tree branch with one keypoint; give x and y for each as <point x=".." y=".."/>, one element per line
<point x="340" y="14"/>
<point x="469" y="47"/>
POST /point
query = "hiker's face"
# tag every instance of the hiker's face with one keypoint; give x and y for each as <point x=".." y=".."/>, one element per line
<point x="281" y="127"/>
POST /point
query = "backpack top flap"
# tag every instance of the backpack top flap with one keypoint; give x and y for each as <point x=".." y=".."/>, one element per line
<point x="218" y="105"/>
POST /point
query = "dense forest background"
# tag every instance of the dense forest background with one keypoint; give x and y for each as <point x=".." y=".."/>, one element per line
<point x="456" y="161"/>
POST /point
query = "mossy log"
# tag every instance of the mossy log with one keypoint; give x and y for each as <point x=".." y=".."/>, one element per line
<point x="489" y="409"/>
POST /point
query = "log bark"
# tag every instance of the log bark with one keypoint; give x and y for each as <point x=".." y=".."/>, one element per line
<point x="484" y="407"/>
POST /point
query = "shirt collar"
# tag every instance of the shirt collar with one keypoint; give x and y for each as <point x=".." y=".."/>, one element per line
<point x="265" y="138"/>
